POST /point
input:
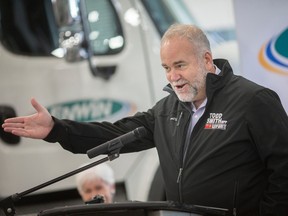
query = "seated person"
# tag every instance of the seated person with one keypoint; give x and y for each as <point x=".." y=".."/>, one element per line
<point x="96" y="181"/>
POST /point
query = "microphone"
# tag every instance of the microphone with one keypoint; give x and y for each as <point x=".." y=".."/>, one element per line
<point x="117" y="143"/>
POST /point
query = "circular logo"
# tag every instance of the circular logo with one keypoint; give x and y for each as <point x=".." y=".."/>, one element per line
<point x="273" y="55"/>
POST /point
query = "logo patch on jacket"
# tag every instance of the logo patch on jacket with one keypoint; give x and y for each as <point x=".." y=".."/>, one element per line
<point x="215" y="121"/>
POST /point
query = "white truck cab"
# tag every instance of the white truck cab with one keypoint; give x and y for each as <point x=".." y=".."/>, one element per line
<point x="86" y="61"/>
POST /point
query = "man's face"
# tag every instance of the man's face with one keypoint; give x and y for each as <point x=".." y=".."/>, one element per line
<point x="184" y="71"/>
<point x="94" y="187"/>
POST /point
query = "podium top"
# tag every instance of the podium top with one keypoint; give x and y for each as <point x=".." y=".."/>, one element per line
<point x="133" y="208"/>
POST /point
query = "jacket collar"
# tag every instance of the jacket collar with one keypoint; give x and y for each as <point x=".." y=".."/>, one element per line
<point x="216" y="82"/>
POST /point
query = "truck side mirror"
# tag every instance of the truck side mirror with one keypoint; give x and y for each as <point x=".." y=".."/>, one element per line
<point x="71" y="33"/>
<point x="74" y="28"/>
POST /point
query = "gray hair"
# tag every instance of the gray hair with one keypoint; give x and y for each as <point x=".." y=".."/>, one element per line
<point x="102" y="171"/>
<point x="191" y="32"/>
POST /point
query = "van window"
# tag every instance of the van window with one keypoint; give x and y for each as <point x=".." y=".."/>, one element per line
<point x="24" y="29"/>
<point x="106" y="36"/>
<point x="29" y="27"/>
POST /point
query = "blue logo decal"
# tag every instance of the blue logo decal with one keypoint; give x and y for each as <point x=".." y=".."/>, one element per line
<point x="92" y="110"/>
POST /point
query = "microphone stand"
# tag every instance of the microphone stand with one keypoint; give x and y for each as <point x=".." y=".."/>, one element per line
<point x="7" y="204"/>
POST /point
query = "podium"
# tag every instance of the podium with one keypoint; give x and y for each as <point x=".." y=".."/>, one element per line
<point x="135" y="208"/>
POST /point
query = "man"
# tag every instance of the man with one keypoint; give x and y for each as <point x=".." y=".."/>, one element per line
<point x="96" y="181"/>
<point x="222" y="140"/>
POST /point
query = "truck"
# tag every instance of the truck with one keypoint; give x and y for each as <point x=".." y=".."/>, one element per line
<point x="85" y="61"/>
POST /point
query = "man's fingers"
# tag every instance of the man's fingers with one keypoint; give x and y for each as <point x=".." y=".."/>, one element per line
<point x="7" y="129"/>
<point x="13" y="125"/>
<point x="38" y="107"/>
<point x="14" y="120"/>
<point x="20" y="132"/>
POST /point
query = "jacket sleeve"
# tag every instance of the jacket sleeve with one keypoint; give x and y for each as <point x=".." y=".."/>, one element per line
<point x="268" y="124"/>
<point x="79" y="137"/>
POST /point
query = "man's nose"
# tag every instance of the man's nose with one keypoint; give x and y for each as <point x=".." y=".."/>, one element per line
<point x="174" y="75"/>
<point x="95" y="193"/>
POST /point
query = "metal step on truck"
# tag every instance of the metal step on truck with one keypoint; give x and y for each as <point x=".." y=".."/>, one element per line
<point x="86" y="61"/>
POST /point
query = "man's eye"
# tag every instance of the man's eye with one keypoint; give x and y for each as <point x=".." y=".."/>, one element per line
<point x="99" y="187"/>
<point x="167" y="69"/>
<point x="180" y="66"/>
<point x="87" y="191"/>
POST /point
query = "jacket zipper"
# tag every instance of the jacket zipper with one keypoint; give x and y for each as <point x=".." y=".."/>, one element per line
<point x="179" y="119"/>
<point x="184" y="150"/>
<point x="179" y="177"/>
<point x="179" y="182"/>
<point x="236" y="185"/>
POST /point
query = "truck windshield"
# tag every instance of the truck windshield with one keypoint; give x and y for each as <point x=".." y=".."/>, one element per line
<point x="166" y="12"/>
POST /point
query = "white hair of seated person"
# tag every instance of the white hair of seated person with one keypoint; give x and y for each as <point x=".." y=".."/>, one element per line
<point x="98" y="180"/>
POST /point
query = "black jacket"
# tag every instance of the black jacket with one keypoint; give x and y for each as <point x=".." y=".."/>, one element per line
<point x="238" y="152"/>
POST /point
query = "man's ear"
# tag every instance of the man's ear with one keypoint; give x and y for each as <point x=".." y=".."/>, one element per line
<point x="209" y="65"/>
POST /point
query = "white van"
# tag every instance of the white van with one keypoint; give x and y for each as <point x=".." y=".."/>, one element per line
<point x="107" y="67"/>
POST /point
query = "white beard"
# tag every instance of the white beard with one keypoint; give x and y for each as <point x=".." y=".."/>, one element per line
<point x="194" y="88"/>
